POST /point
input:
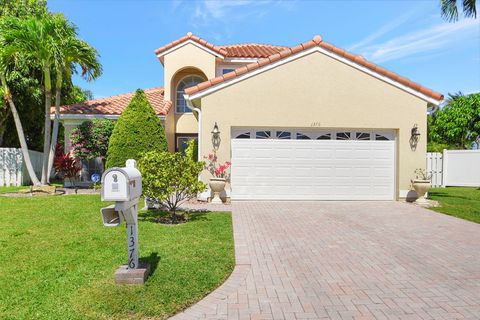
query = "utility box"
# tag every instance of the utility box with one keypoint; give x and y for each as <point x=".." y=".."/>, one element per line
<point x="124" y="186"/>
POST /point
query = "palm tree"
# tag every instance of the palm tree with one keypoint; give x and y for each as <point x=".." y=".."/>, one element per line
<point x="71" y="53"/>
<point x="34" y="38"/>
<point x="450" y="9"/>
<point x="6" y="60"/>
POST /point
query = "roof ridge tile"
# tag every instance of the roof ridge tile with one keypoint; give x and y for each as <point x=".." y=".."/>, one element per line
<point x="318" y="41"/>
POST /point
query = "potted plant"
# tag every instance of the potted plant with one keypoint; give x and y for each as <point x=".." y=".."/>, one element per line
<point x="219" y="173"/>
<point x="422" y="183"/>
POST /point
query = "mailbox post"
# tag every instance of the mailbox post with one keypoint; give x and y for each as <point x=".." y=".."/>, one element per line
<point x="124" y="186"/>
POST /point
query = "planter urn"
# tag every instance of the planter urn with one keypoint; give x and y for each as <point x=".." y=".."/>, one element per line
<point x="217" y="185"/>
<point x="421" y="187"/>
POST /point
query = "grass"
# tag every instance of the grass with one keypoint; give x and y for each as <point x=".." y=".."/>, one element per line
<point x="4" y="189"/>
<point x="12" y="189"/>
<point x="458" y="201"/>
<point x="58" y="261"/>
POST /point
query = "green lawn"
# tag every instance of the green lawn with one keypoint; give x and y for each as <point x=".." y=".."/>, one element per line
<point x="4" y="189"/>
<point x="12" y="189"/>
<point x="459" y="202"/>
<point x="58" y="261"/>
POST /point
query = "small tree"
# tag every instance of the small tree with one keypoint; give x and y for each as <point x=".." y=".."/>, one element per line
<point x="458" y="123"/>
<point x="90" y="139"/>
<point x="137" y="131"/>
<point x="171" y="178"/>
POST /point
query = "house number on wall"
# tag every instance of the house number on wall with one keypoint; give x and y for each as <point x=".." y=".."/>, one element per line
<point x="315" y="124"/>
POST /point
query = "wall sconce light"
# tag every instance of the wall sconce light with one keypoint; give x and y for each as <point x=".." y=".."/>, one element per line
<point x="414" y="136"/>
<point x="215" y="137"/>
<point x="215" y="131"/>
<point x="415" y="131"/>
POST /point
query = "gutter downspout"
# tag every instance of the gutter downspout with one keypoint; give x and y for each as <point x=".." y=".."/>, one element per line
<point x="203" y="196"/>
<point x="199" y="112"/>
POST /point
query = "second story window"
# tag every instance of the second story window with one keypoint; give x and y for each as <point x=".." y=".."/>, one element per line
<point x="181" y="104"/>
<point x="227" y="70"/>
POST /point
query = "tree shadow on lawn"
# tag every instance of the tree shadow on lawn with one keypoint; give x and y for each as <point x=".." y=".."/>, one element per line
<point x="447" y="195"/>
<point x="155" y="215"/>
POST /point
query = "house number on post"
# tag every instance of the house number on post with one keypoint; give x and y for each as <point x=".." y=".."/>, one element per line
<point x="132" y="230"/>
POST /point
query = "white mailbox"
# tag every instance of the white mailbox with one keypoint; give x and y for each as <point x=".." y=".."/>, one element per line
<point x="124" y="186"/>
<point x="121" y="184"/>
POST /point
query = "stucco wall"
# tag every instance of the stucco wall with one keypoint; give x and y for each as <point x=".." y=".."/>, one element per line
<point x="318" y="89"/>
<point x="185" y="57"/>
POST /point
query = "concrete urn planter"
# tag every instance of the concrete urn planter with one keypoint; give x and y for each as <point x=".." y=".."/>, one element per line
<point x="421" y="187"/>
<point x="217" y="185"/>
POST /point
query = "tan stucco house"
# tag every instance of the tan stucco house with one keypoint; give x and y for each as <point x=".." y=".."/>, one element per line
<point x="310" y="122"/>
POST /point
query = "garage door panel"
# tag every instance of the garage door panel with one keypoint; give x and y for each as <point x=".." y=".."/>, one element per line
<point x="312" y="170"/>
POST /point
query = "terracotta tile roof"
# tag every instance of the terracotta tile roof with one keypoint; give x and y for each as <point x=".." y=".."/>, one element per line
<point x="316" y="41"/>
<point x="251" y="50"/>
<point x="245" y="50"/>
<point x="116" y="104"/>
<point x="190" y="36"/>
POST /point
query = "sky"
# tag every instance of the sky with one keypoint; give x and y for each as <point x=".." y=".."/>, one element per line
<point x="407" y="37"/>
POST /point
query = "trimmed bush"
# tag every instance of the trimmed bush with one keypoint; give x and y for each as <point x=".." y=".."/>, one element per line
<point x="137" y="131"/>
<point x="171" y="178"/>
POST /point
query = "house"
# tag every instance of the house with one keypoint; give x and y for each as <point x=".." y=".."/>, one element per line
<point x="310" y="122"/>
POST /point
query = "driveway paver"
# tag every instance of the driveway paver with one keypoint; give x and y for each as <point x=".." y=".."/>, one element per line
<point x="347" y="260"/>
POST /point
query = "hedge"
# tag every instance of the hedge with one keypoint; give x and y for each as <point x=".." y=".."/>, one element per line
<point x="137" y="131"/>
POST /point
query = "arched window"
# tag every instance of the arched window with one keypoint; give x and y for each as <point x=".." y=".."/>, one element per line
<point x="181" y="104"/>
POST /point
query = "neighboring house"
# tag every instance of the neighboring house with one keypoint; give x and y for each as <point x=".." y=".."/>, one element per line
<point x="311" y="122"/>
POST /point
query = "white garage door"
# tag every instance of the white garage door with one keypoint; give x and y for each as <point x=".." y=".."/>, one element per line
<point x="306" y="165"/>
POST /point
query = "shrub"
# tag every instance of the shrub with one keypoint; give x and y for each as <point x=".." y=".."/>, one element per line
<point x="171" y="178"/>
<point x="137" y="131"/>
<point x="66" y="165"/>
<point x="192" y="150"/>
<point x="90" y="139"/>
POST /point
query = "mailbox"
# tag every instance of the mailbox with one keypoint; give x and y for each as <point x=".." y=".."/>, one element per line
<point x="111" y="217"/>
<point x="124" y="186"/>
<point x="121" y="184"/>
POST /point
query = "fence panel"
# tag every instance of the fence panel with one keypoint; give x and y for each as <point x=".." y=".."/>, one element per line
<point x="12" y="167"/>
<point x="461" y="168"/>
<point x="435" y="168"/>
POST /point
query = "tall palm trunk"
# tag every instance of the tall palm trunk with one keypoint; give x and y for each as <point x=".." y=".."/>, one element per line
<point x="47" y="129"/>
<point x="56" y="120"/>
<point x="21" y="135"/>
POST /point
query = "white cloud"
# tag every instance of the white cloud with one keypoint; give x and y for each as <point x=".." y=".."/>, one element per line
<point x="383" y="30"/>
<point x="430" y="40"/>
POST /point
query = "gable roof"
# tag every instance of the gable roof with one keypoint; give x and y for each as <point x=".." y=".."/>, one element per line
<point x="251" y="50"/>
<point x="115" y="105"/>
<point x="244" y="50"/>
<point x="317" y="42"/>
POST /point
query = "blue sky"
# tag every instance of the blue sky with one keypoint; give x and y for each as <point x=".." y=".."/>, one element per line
<point x="407" y="37"/>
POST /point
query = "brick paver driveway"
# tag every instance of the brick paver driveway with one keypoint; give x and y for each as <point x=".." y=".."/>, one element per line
<point x="344" y="260"/>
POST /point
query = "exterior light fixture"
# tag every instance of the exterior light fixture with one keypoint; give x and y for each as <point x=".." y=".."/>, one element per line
<point x="414" y="137"/>
<point x="216" y="137"/>
<point x="215" y="131"/>
<point x="415" y="131"/>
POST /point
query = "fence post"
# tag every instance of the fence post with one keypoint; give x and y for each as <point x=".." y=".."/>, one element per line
<point x="444" y="167"/>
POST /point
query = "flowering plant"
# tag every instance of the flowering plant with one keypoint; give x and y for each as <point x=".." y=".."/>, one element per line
<point x="218" y="170"/>
<point x="66" y="164"/>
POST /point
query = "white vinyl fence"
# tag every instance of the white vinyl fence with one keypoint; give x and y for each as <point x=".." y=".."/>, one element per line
<point x="13" y="171"/>
<point x="435" y="168"/>
<point x="460" y="168"/>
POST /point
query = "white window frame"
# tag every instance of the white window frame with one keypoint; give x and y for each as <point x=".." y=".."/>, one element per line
<point x="183" y="92"/>
<point x="313" y="133"/>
